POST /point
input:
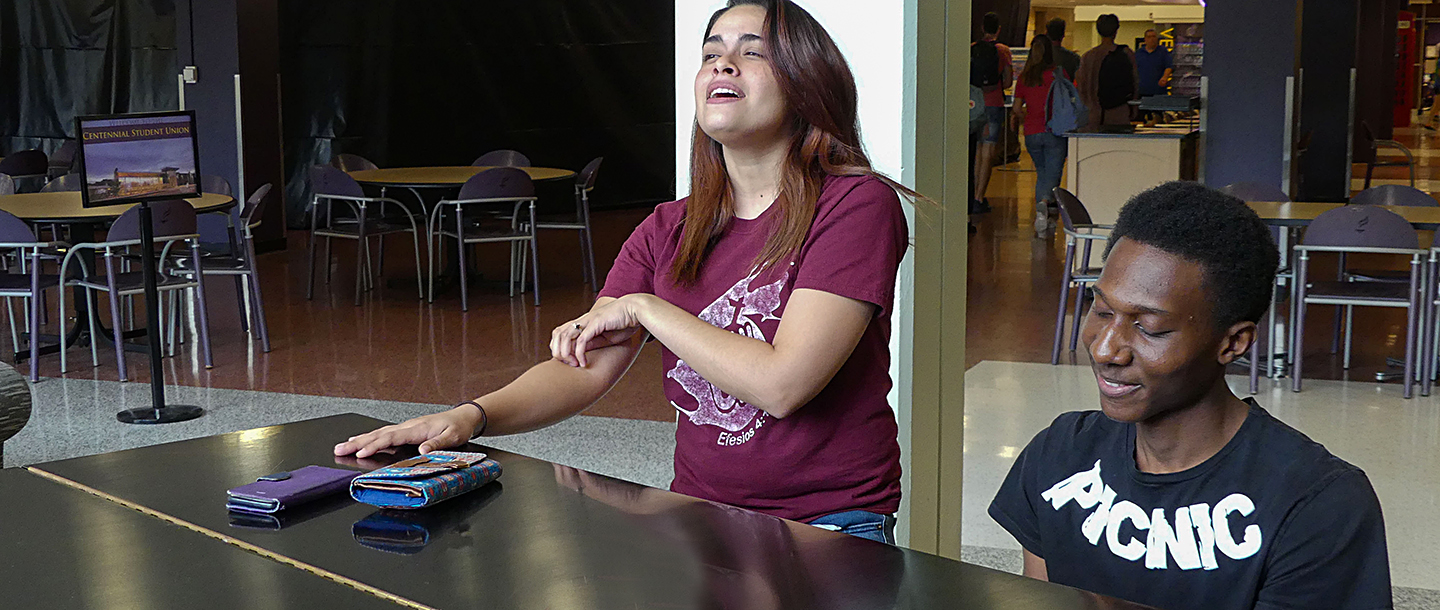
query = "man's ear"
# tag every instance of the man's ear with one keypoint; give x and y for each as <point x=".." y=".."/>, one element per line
<point x="1236" y="341"/>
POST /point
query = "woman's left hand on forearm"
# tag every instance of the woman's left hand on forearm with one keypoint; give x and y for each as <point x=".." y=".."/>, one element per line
<point x="613" y="323"/>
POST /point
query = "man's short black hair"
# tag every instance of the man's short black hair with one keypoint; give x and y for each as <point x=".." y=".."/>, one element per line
<point x="1107" y="25"/>
<point x="1055" y="30"/>
<point x="1219" y="232"/>
<point x="990" y="23"/>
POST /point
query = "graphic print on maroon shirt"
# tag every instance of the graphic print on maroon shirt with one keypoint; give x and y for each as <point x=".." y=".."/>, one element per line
<point x="838" y="452"/>
<point x="741" y="310"/>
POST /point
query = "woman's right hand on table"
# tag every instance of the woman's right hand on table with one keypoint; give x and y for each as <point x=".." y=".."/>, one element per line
<point x="432" y="432"/>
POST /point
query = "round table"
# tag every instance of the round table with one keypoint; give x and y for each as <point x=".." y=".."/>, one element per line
<point x="423" y="177"/>
<point x="67" y="207"/>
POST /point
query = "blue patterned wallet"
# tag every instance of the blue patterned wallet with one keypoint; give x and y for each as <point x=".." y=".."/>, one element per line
<point x="425" y="480"/>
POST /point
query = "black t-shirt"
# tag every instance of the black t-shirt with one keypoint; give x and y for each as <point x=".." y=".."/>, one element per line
<point x="1271" y="521"/>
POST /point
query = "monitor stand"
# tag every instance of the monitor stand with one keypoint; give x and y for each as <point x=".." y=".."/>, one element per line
<point x="158" y="412"/>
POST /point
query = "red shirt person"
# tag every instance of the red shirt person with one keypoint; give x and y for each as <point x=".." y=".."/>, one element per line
<point x="769" y="288"/>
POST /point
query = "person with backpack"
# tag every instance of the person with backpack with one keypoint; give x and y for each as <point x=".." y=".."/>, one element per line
<point x="990" y="71"/>
<point x="1108" y="78"/>
<point x="1065" y="58"/>
<point x="1032" y="109"/>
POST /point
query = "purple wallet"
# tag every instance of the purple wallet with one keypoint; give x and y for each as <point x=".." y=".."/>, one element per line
<point x="304" y="485"/>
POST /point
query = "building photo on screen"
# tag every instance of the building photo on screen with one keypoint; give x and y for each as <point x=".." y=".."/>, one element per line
<point x="129" y="158"/>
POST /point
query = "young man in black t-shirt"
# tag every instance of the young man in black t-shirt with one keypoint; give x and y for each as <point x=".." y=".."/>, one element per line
<point x="1178" y="494"/>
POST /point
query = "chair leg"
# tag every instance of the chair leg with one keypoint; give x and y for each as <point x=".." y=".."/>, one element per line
<point x="202" y="315"/>
<point x="1411" y="326"/>
<point x="535" y="253"/>
<point x="1064" y="300"/>
<point x="34" y="314"/>
<point x="361" y="263"/>
<point x="327" y="261"/>
<point x="116" y="322"/>
<point x="310" y="277"/>
<point x="94" y="329"/>
<point x="1075" y="323"/>
<point x="461" y="264"/>
<point x="1297" y="337"/>
<point x="175" y="326"/>
<point x="380" y="258"/>
<point x="1349" y="330"/>
<point x="240" y="301"/>
<point x="258" y="307"/>
<point x="590" y="248"/>
<point x="431" y="237"/>
<point x="14" y="330"/>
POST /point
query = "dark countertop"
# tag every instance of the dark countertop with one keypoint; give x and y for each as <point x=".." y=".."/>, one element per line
<point x="64" y="548"/>
<point x="1163" y="133"/>
<point x="549" y="536"/>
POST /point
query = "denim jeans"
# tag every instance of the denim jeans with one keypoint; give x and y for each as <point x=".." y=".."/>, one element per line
<point x="861" y="524"/>
<point x="1048" y="151"/>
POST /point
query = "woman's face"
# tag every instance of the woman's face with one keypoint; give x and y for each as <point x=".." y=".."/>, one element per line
<point x="737" y="100"/>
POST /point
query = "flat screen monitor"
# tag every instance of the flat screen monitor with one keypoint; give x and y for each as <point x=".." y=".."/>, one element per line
<point x="127" y="158"/>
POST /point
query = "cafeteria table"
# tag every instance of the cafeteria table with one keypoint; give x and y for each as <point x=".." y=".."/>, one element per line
<point x="450" y="178"/>
<point x="542" y="536"/>
<point x="67" y="208"/>
<point x="63" y="548"/>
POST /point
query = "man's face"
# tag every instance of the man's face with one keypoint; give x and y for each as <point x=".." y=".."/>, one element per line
<point x="1151" y="335"/>
<point x="1152" y="40"/>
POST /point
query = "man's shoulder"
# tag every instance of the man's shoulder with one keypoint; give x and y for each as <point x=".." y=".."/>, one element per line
<point x="1295" y="455"/>
<point x="1075" y="430"/>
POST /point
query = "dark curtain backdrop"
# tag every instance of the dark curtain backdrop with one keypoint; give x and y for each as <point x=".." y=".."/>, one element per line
<point x="444" y="81"/>
<point x="63" y="58"/>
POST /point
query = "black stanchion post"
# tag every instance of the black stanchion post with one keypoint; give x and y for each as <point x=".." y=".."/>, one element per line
<point x="159" y="412"/>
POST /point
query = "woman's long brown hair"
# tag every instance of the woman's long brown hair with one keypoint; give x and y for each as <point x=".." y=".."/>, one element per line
<point x="821" y="98"/>
<point x="1040" y="61"/>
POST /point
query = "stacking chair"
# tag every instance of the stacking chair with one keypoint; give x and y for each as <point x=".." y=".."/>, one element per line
<point x="1257" y="191"/>
<point x="584" y="183"/>
<point x="173" y="224"/>
<point x="69" y="183"/>
<point x="502" y="158"/>
<point x="30" y="166"/>
<point x="330" y="185"/>
<point x="63" y="160"/>
<point x="1368" y="137"/>
<point x="492" y="187"/>
<point x="28" y="284"/>
<point x="1075" y="221"/>
<point x="1387" y="194"/>
<point x="347" y="162"/>
<point x="239" y="264"/>
<point x="1360" y="229"/>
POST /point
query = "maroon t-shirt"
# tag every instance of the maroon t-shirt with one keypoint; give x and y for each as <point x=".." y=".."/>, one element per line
<point x="838" y="452"/>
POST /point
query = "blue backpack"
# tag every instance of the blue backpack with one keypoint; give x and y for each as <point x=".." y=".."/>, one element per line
<point x="1067" y="113"/>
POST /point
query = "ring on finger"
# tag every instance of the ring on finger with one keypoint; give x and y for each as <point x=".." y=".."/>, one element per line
<point x="578" y="326"/>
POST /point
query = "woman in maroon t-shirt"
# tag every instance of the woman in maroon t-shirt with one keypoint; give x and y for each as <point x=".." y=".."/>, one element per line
<point x="769" y="288"/>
